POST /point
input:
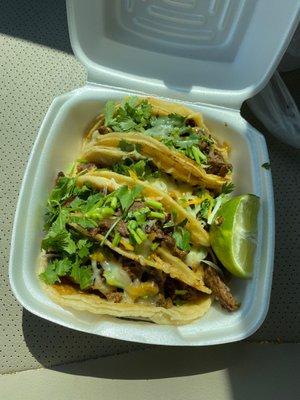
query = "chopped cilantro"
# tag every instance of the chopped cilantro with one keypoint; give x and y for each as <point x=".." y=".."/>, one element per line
<point x="76" y="204"/>
<point x="88" y="212"/>
<point x="227" y="188"/>
<point x="55" y="270"/>
<point x="83" y="247"/>
<point x="132" y="114"/>
<point x="142" y="168"/>
<point x="204" y="207"/>
<point x="95" y="200"/>
<point x="139" y="215"/>
<point x="126" y="196"/>
<point x="58" y="237"/>
<point x="174" y="130"/>
<point x="126" y="146"/>
<point x="182" y="238"/>
<point x="82" y="275"/>
<point x="129" y="147"/>
<point x="83" y="221"/>
<point x="64" y="190"/>
<point x="109" y="112"/>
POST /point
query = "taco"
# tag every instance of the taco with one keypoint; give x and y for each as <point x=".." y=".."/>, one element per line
<point x="199" y="203"/>
<point x="101" y="179"/>
<point x="137" y="222"/>
<point x="173" y="137"/>
<point x="113" y="285"/>
<point x="126" y="272"/>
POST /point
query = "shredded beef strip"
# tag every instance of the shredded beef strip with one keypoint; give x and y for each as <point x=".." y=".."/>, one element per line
<point x="170" y="243"/>
<point x="163" y="302"/>
<point x="167" y="241"/>
<point x="116" y="297"/>
<point x="122" y="229"/>
<point x="217" y="164"/>
<point x="171" y="285"/>
<point x="156" y="275"/>
<point x="94" y="231"/>
<point x="134" y="269"/>
<point x="100" y="126"/>
<point x="103" y="227"/>
<point x="204" y="146"/>
<point x="105" y="224"/>
<point x="58" y="176"/>
<point x="219" y="290"/>
<point x="118" y="213"/>
<point x="67" y="202"/>
<point x="102" y="129"/>
<point x="136" y="206"/>
<point x="190" y="122"/>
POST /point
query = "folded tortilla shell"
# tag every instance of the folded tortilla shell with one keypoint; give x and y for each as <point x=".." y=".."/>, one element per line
<point x="161" y="260"/>
<point x="108" y="156"/>
<point x="172" y="162"/>
<point x="163" y="108"/>
<point x="67" y="295"/>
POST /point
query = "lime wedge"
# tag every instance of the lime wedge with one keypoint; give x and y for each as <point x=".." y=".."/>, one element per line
<point x="233" y="234"/>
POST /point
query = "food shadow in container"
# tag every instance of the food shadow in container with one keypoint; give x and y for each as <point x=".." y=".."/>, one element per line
<point x="58" y="144"/>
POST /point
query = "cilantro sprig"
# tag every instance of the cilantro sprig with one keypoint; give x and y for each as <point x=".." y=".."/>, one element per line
<point x="131" y="115"/>
<point x="142" y="168"/>
<point x="126" y="197"/>
<point x="129" y="147"/>
<point x="64" y="190"/>
<point x="182" y="238"/>
<point x="55" y="270"/>
<point x="80" y="274"/>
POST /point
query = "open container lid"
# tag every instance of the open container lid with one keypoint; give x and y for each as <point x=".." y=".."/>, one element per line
<point x="219" y="52"/>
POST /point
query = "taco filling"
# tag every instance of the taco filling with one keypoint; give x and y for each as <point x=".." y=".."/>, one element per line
<point x="116" y="279"/>
<point x="124" y="216"/>
<point x="176" y="127"/>
<point x="199" y="202"/>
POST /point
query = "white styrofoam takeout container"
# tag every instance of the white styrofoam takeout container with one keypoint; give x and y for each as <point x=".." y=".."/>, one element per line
<point x="210" y="55"/>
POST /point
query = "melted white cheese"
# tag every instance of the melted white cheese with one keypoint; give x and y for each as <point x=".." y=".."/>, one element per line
<point x="195" y="256"/>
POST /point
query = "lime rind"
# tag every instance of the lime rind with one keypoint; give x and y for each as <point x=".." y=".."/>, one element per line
<point x="233" y="234"/>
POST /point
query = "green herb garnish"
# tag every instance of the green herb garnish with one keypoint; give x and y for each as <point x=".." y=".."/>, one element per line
<point x="55" y="270"/>
<point x="227" y="188"/>
<point x="132" y="115"/>
<point x="182" y="238"/>
<point x="126" y="146"/>
<point x="82" y="275"/>
<point x="58" y="236"/>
